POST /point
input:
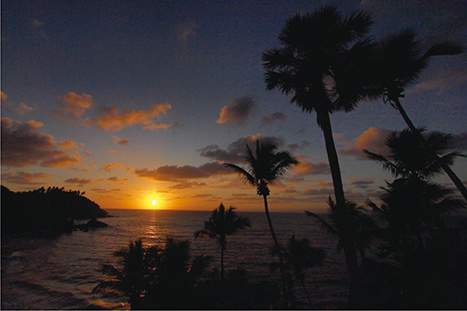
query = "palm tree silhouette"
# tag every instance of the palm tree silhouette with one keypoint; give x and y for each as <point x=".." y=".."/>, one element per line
<point x="155" y="277"/>
<point x="399" y="63"/>
<point x="411" y="205"/>
<point x="265" y="167"/>
<point x="324" y="63"/>
<point x="299" y="255"/>
<point x="409" y="157"/>
<point x="353" y="221"/>
<point x="220" y="224"/>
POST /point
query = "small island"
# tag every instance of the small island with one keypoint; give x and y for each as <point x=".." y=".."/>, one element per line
<point x="44" y="212"/>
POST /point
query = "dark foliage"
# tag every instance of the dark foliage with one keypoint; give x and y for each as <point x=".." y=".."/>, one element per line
<point x="51" y="210"/>
<point x="166" y="278"/>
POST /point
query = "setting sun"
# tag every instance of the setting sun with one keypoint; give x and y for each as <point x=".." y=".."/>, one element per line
<point x="154" y="202"/>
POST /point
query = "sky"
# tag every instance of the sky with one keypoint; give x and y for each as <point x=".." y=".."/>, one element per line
<point x="135" y="101"/>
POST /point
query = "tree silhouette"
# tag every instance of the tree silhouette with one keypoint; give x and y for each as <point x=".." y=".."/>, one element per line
<point x="299" y="255"/>
<point x="155" y="277"/>
<point x="324" y="63"/>
<point x="399" y="63"/>
<point x="409" y="157"/>
<point x="264" y="167"/>
<point x="220" y="224"/>
<point x="353" y="221"/>
<point x="411" y="204"/>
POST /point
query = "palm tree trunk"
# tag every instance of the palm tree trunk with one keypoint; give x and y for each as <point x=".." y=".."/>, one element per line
<point x="460" y="186"/>
<point x="332" y="158"/>
<point x="350" y="251"/>
<point x="222" y="262"/>
<point x="281" y="258"/>
<point x="307" y="295"/>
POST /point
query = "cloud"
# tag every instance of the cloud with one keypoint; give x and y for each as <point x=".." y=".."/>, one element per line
<point x="117" y="180"/>
<point x="237" y="111"/>
<point x="373" y="140"/>
<point x="235" y="152"/>
<point x="176" y="173"/>
<point x="296" y="147"/>
<point x="19" y="110"/>
<point x="186" y="185"/>
<point x="23" y="146"/>
<point x="443" y="82"/>
<point x="152" y="126"/>
<point x="362" y="183"/>
<point x="110" y="166"/>
<point x="72" y="106"/>
<point x="186" y="32"/>
<point x="273" y="117"/>
<point x="110" y="119"/>
<point x="309" y="168"/>
<point x="37" y="27"/>
<point x="25" y="178"/>
<point x="79" y="182"/>
<point x="67" y="145"/>
<point x="320" y="192"/>
<point x="120" y="141"/>
<point x="460" y="141"/>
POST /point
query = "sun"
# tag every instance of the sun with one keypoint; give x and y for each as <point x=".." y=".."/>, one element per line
<point x="154" y="202"/>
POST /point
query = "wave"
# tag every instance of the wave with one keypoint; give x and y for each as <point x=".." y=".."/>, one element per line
<point x="23" y="295"/>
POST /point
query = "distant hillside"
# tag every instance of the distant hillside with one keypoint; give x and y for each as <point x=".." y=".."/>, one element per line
<point x="45" y="210"/>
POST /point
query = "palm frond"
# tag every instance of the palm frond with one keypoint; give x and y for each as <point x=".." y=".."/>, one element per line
<point x="249" y="179"/>
<point x="444" y="48"/>
<point x="325" y="226"/>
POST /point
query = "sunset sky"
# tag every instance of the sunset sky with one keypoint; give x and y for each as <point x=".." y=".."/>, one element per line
<point x="135" y="101"/>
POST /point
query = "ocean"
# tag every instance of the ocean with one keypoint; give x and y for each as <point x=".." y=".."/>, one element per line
<point x="60" y="273"/>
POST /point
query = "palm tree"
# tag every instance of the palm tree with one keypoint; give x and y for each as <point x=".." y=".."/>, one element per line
<point x="220" y="224"/>
<point x="155" y="277"/>
<point x="399" y="63"/>
<point x="324" y="64"/>
<point x="353" y="221"/>
<point x="265" y="167"/>
<point x="411" y="204"/>
<point x="299" y="255"/>
<point x="409" y="157"/>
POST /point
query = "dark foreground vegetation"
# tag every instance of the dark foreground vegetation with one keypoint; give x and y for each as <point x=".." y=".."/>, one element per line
<point x="45" y="211"/>
<point x="168" y="278"/>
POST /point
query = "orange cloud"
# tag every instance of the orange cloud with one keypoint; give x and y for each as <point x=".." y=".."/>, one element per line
<point x="310" y="168"/>
<point x="120" y="141"/>
<point x="110" y="166"/>
<point x="237" y="111"/>
<point x="78" y="181"/>
<point x="373" y="140"/>
<point x="176" y="173"/>
<point x="25" y="178"/>
<point x="111" y="120"/>
<point x="153" y="126"/>
<point x="20" y="110"/>
<point x="72" y="106"/>
<point x="23" y="146"/>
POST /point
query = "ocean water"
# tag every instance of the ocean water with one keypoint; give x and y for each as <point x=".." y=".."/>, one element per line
<point x="60" y="273"/>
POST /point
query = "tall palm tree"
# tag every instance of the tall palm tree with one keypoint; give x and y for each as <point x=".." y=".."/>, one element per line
<point x="220" y="224"/>
<point x="266" y="166"/>
<point x="324" y="63"/>
<point x="399" y="63"/>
